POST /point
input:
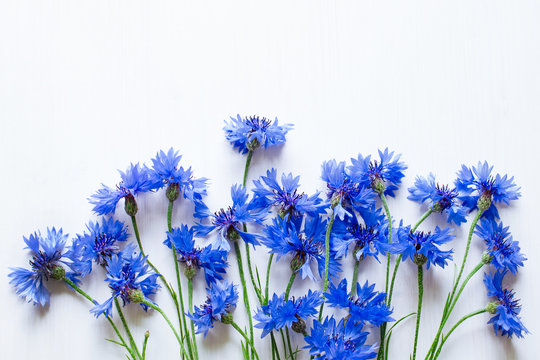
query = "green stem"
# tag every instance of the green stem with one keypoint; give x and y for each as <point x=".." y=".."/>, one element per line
<point x="354" y="281"/>
<point x="382" y="328"/>
<point x="419" y="311"/>
<point x="244" y="287"/>
<point x="291" y="280"/>
<point x="126" y="327"/>
<point x="267" y="279"/>
<point x="274" y="346"/>
<point x="248" y="259"/>
<point x="291" y="353"/>
<point x="474" y="313"/>
<point x="246" y="169"/>
<point x="158" y="309"/>
<point x="248" y="341"/>
<point x="146" y="336"/>
<point x="190" y="299"/>
<point x="326" y="258"/>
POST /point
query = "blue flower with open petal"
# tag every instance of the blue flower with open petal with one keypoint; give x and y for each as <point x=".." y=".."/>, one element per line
<point x="212" y="261"/>
<point x="228" y="222"/>
<point x="382" y="176"/>
<point x="137" y="179"/>
<point x="128" y="276"/>
<point x="48" y="256"/>
<point x="505" y="308"/>
<point x="221" y="301"/>
<point x="250" y="132"/>
<point x="291" y="313"/>
<point x="500" y="245"/>
<point x="305" y="246"/>
<point x="441" y="198"/>
<point x="167" y="172"/>
<point x="478" y="184"/>
<point x="343" y="340"/>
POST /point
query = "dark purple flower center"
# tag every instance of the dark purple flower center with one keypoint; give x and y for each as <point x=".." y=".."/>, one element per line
<point x="507" y="300"/>
<point x="487" y="187"/>
<point x="287" y="201"/>
<point x="44" y="264"/>
<point x="418" y="239"/>
<point x="224" y="218"/>
<point x="104" y="246"/>
<point x="375" y="171"/>
<point x="445" y="196"/>
<point x="501" y="245"/>
<point x="257" y="123"/>
<point x="191" y="258"/>
<point x="344" y="193"/>
<point x="363" y="236"/>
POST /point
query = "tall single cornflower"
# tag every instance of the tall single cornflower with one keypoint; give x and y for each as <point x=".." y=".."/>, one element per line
<point x="130" y="279"/>
<point x="368" y="306"/>
<point x="286" y="198"/>
<point x="504" y="251"/>
<point x="221" y="302"/>
<point x="137" y="179"/>
<point x="441" y="198"/>
<point x="292" y="313"/>
<point x="343" y="340"/>
<point x="305" y="246"/>
<point x="344" y="194"/>
<point x="251" y="132"/>
<point x="423" y="247"/>
<point x="480" y="189"/>
<point x="48" y="260"/>
<point x="98" y="244"/>
<point x="383" y="176"/>
<point x="506" y="307"/>
<point x="212" y="261"/>
<point x="178" y="180"/>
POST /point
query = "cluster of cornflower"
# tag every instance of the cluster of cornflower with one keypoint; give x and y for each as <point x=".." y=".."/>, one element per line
<point x="313" y="234"/>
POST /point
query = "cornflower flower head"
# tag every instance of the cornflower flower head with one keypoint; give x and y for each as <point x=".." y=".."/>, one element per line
<point x="441" y="198"/>
<point x="227" y="222"/>
<point x="482" y="190"/>
<point x="178" y="180"/>
<point x="48" y="258"/>
<point x="423" y="247"/>
<point x="291" y="313"/>
<point x="503" y="250"/>
<point x="212" y="261"/>
<point x="286" y="198"/>
<point x="383" y="176"/>
<point x="137" y="179"/>
<point x="344" y="194"/>
<point x="221" y="301"/>
<point x="368" y="306"/>
<point x="251" y="132"/>
<point x="343" y="340"/>
<point x="506" y="307"/>
<point x="305" y="246"/>
<point x="130" y="279"/>
<point x="98" y="244"/>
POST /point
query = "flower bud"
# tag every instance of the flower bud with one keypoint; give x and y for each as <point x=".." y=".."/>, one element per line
<point x="297" y="262"/>
<point x="299" y="326"/>
<point x="146" y="334"/>
<point x="335" y="200"/>
<point x="487" y="258"/>
<point x="484" y="202"/>
<point x="227" y="318"/>
<point x="130" y="205"/>
<point x="136" y="296"/>
<point x="190" y="272"/>
<point x="419" y="259"/>
<point x="437" y="207"/>
<point x="173" y="191"/>
<point x="492" y="307"/>
<point x="377" y="184"/>
<point x="58" y="272"/>
<point x="253" y="144"/>
<point x="232" y="234"/>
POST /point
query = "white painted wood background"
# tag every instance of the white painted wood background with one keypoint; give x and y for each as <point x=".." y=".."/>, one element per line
<point x="87" y="87"/>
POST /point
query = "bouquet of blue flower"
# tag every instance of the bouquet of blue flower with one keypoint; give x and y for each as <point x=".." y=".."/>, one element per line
<point x="338" y="317"/>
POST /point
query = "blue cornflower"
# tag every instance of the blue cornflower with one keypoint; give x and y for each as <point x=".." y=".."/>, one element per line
<point x="98" y="245"/>
<point x="285" y="197"/>
<point x="177" y="179"/>
<point x="441" y="198"/>
<point x="505" y="252"/>
<point x="251" y="132"/>
<point x="212" y="261"/>
<point x="306" y="246"/>
<point x="291" y="313"/>
<point x="506" y="308"/>
<point x="228" y="222"/>
<point x="343" y="340"/>
<point x="368" y="306"/>
<point x="130" y="278"/>
<point x="48" y="256"/>
<point x="423" y="247"/>
<point x="345" y="194"/>
<point x="221" y="301"/>
<point x="383" y="176"/>
<point x="481" y="190"/>
<point x="137" y="179"/>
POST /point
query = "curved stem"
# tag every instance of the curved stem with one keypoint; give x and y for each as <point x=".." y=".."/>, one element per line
<point x="267" y="279"/>
<point x="327" y="258"/>
<point x="146" y="336"/>
<point x="126" y="327"/>
<point x="190" y="299"/>
<point x="274" y="346"/>
<point x="244" y="287"/>
<point x="424" y="217"/>
<point x="248" y="341"/>
<point x="419" y="311"/>
<point x="355" y="277"/>
<point x="291" y="353"/>
<point x="382" y="328"/>
<point x="291" y="280"/>
<point x="248" y="259"/>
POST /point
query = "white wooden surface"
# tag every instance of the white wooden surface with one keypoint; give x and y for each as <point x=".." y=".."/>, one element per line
<point x="87" y="87"/>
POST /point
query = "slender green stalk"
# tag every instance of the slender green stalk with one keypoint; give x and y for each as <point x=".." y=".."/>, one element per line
<point x="274" y="346"/>
<point x="326" y="258"/>
<point x="244" y="287"/>
<point x="283" y="341"/>
<point x="248" y="341"/>
<point x="246" y="169"/>
<point x="190" y="299"/>
<point x="474" y="313"/>
<point x="126" y="327"/>
<point x="252" y="277"/>
<point x="158" y="309"/>
<point x="267" y="279"/>
<point x="419" y="311"/>
<point x="354" y="281"/>
<point x="289" y="285"/>
<point x="291" y="353"/>
<point x="382" y="328"/>
<point x="146" y="336"/>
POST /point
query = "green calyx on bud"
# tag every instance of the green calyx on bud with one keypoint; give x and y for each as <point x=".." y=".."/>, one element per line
<point x="378" y="185"/>
<point x="58" y="272"/>
<point x="146" y="334"/>
<point x="355" y="253"/>
<point x="487" y="258"/>
<point x="173" y="191"/>
<point x="190" y="272"/>
<point x="136" y="296"/>
<point x="437" y="207"/>
<point x="492" y="307"/>
<point x="130" y="205"/>
<point x="253" y="145"/>
<point x="297" y="262"/>
<point x="484" y="202"/>
<point x="299" y="326"/>
<point x="232" y="234"/>
<point x="419" y="259"/>
<point x="334" y="201"/>
<point x="282" y="213"/>
<point x="227" y="318"/>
